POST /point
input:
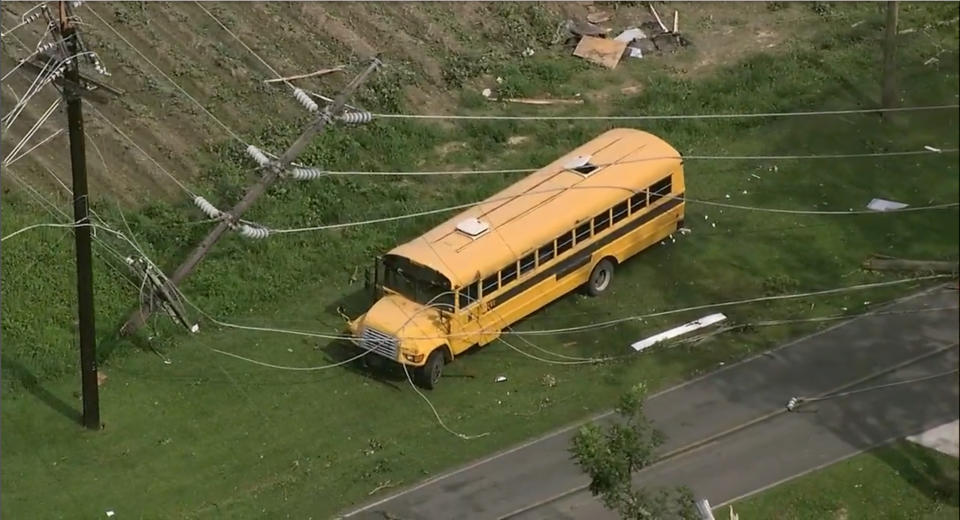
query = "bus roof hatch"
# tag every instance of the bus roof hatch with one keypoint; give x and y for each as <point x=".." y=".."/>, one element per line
<point x="473" y="227"/>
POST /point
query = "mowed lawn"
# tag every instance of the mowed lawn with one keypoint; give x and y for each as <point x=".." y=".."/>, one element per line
<point x="210" y="436"/>
<point x="901" y="481"/>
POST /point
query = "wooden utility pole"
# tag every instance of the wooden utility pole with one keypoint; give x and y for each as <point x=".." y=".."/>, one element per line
<point x="889" y="96"/>
<point x="78" y="161"/>
<point x="271" y="174"/>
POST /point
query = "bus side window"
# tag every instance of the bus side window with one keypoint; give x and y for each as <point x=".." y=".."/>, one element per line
<point x="508" y="274"/>
<point x="527" y="263"/>
<point x="601" y="221"/>
<point x="660" y="189"/>
<point x="638" y="201"/>
<point x="620" y="211"/>
<point x="583" y="232"/>
<point x="564" y="242"/>
<point x="491" y="284"/>
<point x="545" y="253"/>
<point x="469" y="294"/>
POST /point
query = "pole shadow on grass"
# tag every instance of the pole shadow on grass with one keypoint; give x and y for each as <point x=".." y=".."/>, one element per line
<point x="17" y="371"/>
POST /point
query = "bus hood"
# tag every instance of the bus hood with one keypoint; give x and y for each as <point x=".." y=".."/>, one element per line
<point x="415" y="325"/>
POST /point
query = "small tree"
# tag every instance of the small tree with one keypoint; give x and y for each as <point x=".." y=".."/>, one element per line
<point x="610" y="455"/>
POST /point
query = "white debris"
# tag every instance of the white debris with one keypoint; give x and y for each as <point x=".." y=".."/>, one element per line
<point x="528" y="52"/>
<point x="932" y="149"/>
<point x="684" y="231"/>
<point x="754" y="175"/>
<point x="486" y="92"/>
<point x="634" y="52"/>
<point x="705" y="217"/>
<point x="705" y="321"/>
<point x="499" y="80"/>
<point x="885" y="205"/>
<point x="195" y="328"/>
<point x="744" y="192"/>
<point x="110" y="512"/>
<point x="630" y="34"/>
<point x="500" y="379"/>
<point x="713" y="224"/>
<point x="727" y="195"/>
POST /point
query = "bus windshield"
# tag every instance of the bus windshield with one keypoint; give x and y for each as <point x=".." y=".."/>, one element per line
<point x="417" y="283"/>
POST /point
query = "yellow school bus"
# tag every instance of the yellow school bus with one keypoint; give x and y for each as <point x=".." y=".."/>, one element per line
<point x="564" y="227"/>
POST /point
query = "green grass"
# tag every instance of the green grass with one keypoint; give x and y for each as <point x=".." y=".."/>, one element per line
<point x="211" y="436"/>
<point x="900" y="481"/>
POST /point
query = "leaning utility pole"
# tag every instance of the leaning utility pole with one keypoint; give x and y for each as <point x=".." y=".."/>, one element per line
<point x="272" y="172"/>
<point x="78" y="161"/>
<point x="889" y="96"/>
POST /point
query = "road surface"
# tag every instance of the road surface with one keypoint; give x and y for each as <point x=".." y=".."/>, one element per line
<point x="538" y="480"/>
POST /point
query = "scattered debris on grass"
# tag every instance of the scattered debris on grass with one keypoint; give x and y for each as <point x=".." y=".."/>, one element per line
<point x="602" y="51"/>
<point x="548" y="380"/>
<point x="598" y="17"/>
<point x="686" y="328"/>
<point x="885" y="205"/>
<point x="101" y="378"/>
<point x="500" y="379"/>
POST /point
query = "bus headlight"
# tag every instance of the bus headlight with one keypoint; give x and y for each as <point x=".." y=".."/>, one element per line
<point x="413" y="357"/>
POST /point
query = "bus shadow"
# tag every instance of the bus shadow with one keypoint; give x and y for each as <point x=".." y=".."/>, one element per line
<point x="351" y="304"/>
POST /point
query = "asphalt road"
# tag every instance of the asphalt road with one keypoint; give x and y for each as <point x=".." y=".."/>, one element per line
<point x="538" y="479"/>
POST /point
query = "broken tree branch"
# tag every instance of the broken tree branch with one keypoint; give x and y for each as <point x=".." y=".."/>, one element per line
<point x="320" y="72"/>
<point x="882" y="263"/>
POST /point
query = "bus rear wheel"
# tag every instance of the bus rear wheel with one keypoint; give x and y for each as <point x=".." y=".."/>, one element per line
<point x="429" y="374"/>
<point x="600" y="278"/>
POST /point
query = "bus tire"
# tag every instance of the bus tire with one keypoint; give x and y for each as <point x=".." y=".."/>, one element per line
<point x="600" y="278"/>
<point x="429" y="374"/>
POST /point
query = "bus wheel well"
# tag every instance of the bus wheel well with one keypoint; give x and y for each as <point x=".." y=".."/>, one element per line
<point x="447" y="353"/>
<point x="613" y="260"/>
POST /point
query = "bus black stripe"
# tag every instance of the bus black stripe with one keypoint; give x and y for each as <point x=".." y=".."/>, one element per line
<point x="583" y="257"/>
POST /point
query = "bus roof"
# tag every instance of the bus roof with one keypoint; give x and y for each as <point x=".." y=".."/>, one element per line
<point x="538" y="208"/>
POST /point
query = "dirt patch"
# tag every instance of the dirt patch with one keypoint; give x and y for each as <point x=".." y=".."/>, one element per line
<point x="517" y="139"/>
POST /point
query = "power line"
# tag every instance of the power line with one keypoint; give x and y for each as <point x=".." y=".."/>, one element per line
<point x="647" y="117"/>
<point x="168" y="78"/>
<point x="269" y="231"/>
<point x="903" y="153"/>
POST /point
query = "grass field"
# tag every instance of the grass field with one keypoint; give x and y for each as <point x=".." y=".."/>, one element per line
<point x="900" y="481"/>
<point x="211" y="436"/>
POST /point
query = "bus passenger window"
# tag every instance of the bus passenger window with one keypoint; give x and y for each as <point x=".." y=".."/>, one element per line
<point x="620" y="211"/>
<point x="564" y="242"/>
<point x="545" y="253"/>
<point x="601" y="221"/>
<point x="508" y="274"/>
<point x="469" y="294"/>
<point x="583" y="232"/>
<point x="491" y="284"/>
<point x="638" y="201"/>
<point x="660" y="189"/>
<point x="527" y="263"/>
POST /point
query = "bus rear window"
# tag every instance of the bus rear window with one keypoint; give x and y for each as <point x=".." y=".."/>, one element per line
<point x="660" y="189"/>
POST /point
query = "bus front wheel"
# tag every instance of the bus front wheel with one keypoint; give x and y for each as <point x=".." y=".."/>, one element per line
<point x="600" y="278"/>
<point x="429" y="374"/>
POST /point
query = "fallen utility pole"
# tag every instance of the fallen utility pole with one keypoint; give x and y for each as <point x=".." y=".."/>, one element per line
<point x="272" y="172"/>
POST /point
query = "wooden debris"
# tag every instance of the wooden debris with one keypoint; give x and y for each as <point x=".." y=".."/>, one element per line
<point x="532" y="101"/>
<point x="602" y="51"/>
<point x="598" y="17"/>
<point x="321" y="72"/>
<point x="659" y="21"/>
<point x="676" y="22"/>
<point x="887" y="263"/>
